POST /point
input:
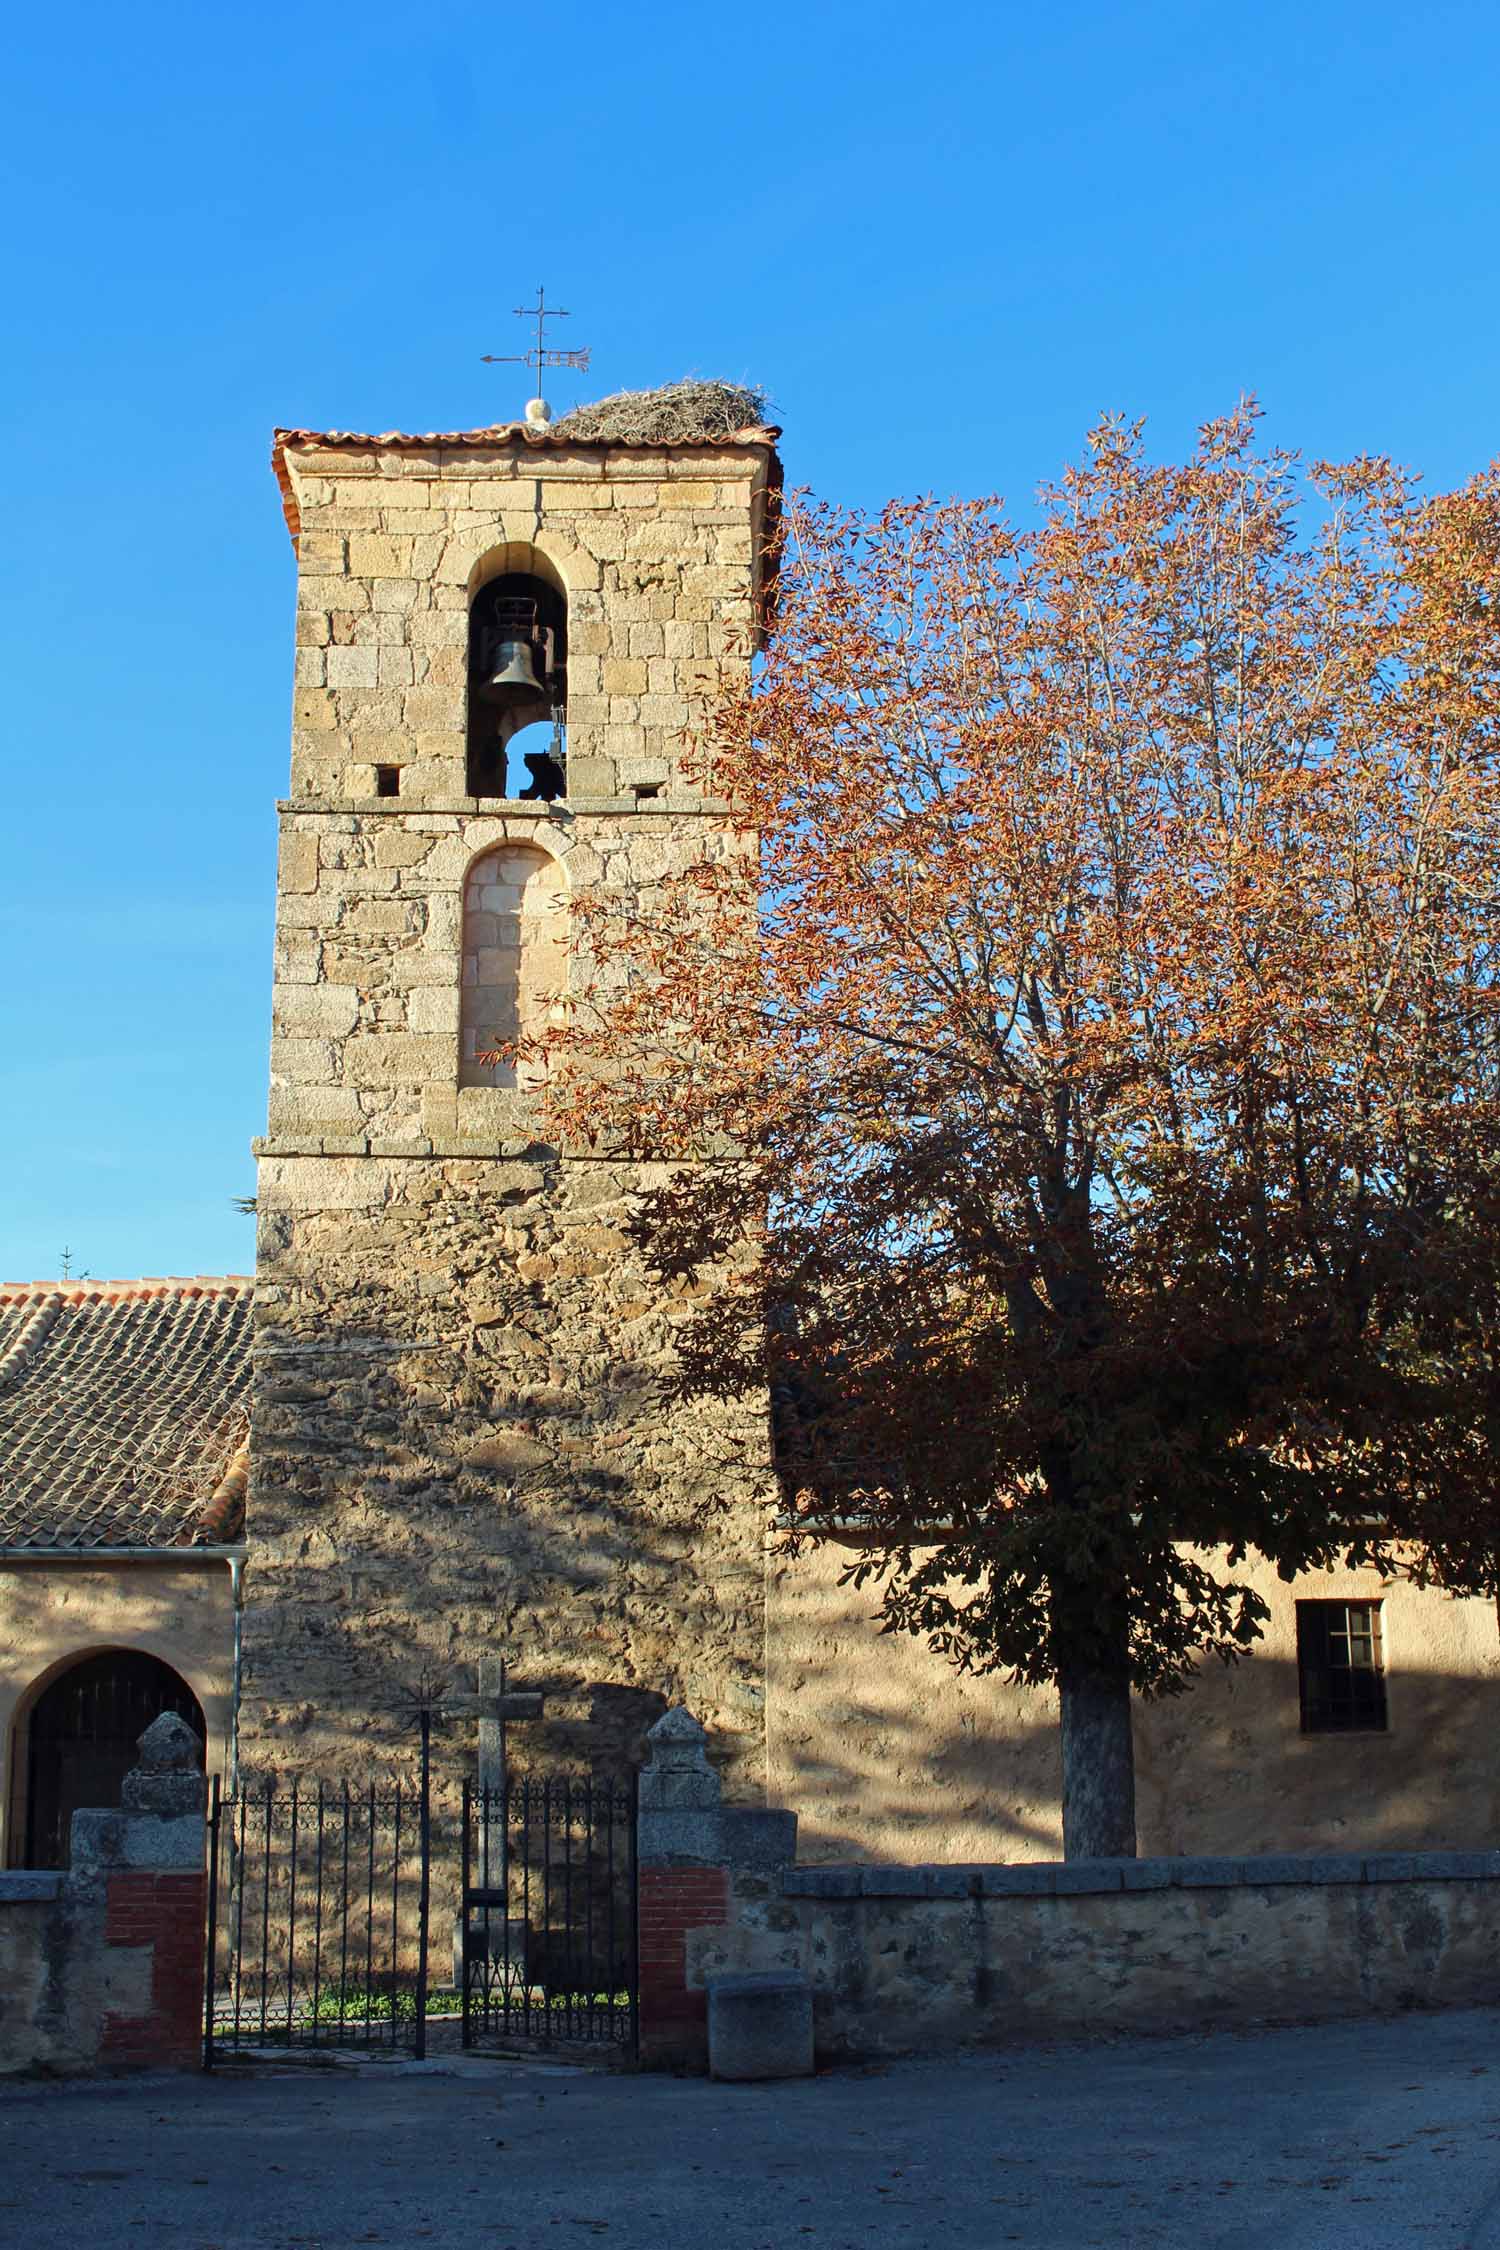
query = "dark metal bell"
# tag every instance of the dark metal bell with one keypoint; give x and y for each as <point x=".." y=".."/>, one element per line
<point x="513" y="680"/>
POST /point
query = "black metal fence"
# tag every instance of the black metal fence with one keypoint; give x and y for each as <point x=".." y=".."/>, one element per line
<point x="331" y="1908"/>
<point x="548" y="1931"/>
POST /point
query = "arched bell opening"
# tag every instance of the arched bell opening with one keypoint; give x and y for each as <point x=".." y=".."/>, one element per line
<point x="518" y="683"/>
<point x="78" y="1740"/>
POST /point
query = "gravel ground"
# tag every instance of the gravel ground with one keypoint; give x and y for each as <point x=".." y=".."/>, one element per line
<point x="1345" y="2137"/>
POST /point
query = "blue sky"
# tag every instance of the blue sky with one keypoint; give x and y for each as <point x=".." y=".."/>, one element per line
<point x="944" y="240"/>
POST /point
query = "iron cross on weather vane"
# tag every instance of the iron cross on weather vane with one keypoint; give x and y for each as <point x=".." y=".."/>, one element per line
<point x="542" y="354"/>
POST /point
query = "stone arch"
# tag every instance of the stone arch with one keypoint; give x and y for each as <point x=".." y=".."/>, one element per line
<point x="516" y="673"/>
<point x="523" y="558"/>
<point x="75" y="1735"/>
<point x="515" y="959"/>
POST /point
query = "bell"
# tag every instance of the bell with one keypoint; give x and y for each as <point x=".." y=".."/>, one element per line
<point x="513" y="679"/>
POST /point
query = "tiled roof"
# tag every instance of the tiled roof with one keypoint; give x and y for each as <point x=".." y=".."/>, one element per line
<point x="529" y="433"/>
<point x="538" y="437"/>
<point x="123" y="1412"/>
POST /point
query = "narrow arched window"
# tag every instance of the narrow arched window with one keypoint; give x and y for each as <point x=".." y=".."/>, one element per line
<point x="518" y="689"/>
<point x="515" y="961"/>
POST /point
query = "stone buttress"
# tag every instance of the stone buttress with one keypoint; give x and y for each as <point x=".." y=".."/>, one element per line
<point x="458" y="1444"/>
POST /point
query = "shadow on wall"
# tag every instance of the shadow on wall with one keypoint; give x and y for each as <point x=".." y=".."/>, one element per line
<point x="971" y="1771"/>
<point x="430" y="1486"/>
<point x="1226" y="1768"/>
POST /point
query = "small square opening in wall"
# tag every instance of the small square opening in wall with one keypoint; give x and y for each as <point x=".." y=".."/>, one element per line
<point x="645" y="789"/>
<point x="1340" y="1668"/>
<point x="387" y="781"/>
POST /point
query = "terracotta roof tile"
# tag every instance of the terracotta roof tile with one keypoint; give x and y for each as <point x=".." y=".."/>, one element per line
<point x="124" y="1411"/>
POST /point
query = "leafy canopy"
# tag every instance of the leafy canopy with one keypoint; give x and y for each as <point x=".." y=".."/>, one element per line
<point x="1086" y="1034"/>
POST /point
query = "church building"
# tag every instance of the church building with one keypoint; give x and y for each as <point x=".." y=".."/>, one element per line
<point x="433" y="1433"/>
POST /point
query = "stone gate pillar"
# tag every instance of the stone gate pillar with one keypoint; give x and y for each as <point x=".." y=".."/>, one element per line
<point x="690" y="1848"/>
<point x="149" y="1860"/>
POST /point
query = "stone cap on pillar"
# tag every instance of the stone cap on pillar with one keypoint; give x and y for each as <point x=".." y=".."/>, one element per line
<point x="684" y="1823"/>
<point x="160" y="1822"/>
<point x="677" y="1775"/>
<point x="169" y="1778"/>
<point x="169" y="1743"/>
<point x="677" y="1795"/>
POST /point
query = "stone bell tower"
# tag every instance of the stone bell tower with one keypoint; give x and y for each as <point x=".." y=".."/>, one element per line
<point x="459" y="1448"/>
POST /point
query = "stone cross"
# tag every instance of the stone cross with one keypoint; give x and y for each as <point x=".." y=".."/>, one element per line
<point x="491" y="1704"/>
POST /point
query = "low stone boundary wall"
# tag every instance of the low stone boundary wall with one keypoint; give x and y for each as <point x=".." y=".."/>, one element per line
<point x="905" y="1958"/>
<point x="1065" y="1878"/>
<point x="59" y="1982"/>
<point x="101" y="1966"/>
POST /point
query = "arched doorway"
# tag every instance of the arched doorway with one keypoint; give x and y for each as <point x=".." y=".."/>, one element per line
<point x="81" y="1737"/>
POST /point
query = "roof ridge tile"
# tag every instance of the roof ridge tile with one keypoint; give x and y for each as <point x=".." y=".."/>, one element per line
<point x="156" y="1284"/>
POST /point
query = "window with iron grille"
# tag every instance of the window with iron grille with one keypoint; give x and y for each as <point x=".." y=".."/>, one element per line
<point x="1339" y="1669"/>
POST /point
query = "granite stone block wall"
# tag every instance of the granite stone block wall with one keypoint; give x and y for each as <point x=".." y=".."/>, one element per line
<point x="929" y="1958"/>
<point x="461" y="1440"/>
<point x="460" y="1450"/>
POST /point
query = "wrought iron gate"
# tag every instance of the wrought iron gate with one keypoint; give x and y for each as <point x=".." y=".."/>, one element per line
<point x="548" y="1930"/>
<point x="381" y="1919"/>
<point x="318" y="1913"/>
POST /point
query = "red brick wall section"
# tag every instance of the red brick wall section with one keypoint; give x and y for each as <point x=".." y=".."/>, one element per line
<point x="165" y="1912"/>
<point x="674" y="1900"/>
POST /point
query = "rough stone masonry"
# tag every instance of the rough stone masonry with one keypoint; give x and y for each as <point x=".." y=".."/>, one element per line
<point x="459" y="1446"/>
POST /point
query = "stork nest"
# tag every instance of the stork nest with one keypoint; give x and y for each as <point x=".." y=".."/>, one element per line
<point x="676" y="413"/>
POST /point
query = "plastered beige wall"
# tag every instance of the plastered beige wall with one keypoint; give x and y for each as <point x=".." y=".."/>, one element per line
<point x="53" y="1613"/>
<point x="886" y="1753"/>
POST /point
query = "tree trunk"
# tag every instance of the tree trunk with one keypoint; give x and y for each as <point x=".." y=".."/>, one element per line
<point x="1098" y="1761"/>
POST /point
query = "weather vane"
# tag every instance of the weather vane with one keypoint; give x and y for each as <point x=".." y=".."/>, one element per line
<point x="541" y="355"/>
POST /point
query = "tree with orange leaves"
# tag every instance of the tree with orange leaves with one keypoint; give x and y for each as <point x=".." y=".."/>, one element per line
<point x="1081" y="1057"/>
